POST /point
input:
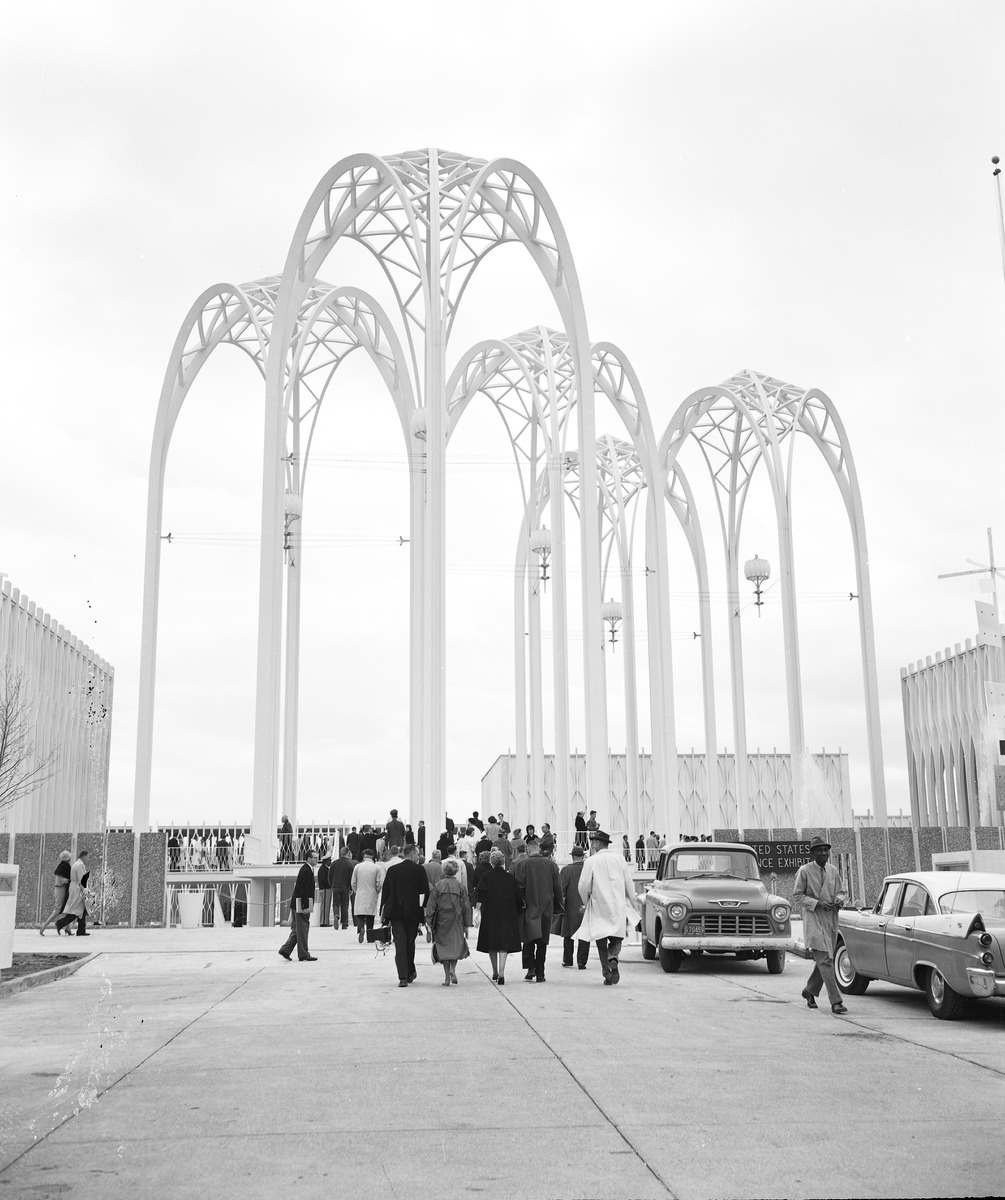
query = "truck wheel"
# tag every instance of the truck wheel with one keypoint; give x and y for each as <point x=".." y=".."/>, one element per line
<point x="776" y="962"/>
<point x="848" y="979"/>
<point x="943" y="1001"/>
<point x="670" y="960"/>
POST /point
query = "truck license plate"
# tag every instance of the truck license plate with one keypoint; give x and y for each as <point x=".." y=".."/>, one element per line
<point x="692" y="930"/>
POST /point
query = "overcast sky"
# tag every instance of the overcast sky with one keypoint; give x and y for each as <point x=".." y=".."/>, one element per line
<point x="801" y="190"/>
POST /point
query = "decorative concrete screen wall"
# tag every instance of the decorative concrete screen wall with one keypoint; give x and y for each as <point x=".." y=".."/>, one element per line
<point x="66" y="692"/>
<point x="128" y="873"/>
<point x="769" y="788"/>
<point x="952" y="745"/>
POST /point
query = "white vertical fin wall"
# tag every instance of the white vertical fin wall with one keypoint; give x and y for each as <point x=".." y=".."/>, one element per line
<point x="69" y="691"/>
<point x="952" y="746"/>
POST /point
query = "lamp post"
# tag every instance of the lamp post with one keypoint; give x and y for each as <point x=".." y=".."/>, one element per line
<point x="612" y="614"/>
<point x="757" y="570"/>
<point x="540" y="544"/>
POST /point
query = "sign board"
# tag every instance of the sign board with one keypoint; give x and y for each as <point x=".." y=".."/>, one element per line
<point x="1000" y="788"/>
<point x="781" y="856"/>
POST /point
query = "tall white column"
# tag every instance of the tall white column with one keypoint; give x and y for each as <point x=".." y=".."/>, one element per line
<point x="434" y="599"/>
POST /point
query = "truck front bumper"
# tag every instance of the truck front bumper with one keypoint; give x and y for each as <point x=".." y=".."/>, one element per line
<point x="735" y="944"/>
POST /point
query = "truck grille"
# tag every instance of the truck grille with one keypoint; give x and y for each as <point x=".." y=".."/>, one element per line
<point x="729" y="925"/>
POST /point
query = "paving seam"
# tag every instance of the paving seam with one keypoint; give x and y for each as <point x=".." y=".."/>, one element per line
<point x="125" y="1074"/>
<point x="572" y="1075"/>
<point x="897" y="1037"/>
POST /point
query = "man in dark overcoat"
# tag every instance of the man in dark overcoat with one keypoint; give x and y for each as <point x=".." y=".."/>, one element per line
<point x="394" y="831"/>
<point x="537" y="876"/>
<point x="572" y="902"/>
<point x="340" y="879"/>
<point x="402" y="906"/>
<point x="286" y="840"/>
<point x="301" y="904"/>
<point x="352" y="844"/>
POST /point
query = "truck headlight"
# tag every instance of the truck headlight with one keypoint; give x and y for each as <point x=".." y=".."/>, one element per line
<point x="780" y="913"/>
<point x="676" y="912"/>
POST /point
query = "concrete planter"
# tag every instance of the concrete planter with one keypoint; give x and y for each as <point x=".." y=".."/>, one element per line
<point x="190" y="909"/>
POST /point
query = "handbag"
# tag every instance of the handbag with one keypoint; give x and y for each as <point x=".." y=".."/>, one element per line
<point x="381" y="934"/>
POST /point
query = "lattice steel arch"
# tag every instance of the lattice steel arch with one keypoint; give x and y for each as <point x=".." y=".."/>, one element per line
<point x="531" y="379"/>
<point x="331" y="323"/>
<point x="745" y="421"/>
<point x="429" y="217"/>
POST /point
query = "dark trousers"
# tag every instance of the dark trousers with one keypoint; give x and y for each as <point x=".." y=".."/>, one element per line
<point x="69" y="918"/>
<point x="404" y="934"/>
<point x="582" y="951"/>
<point x="823" y="973"/>
<point x="301" y="923"/>
<point x="536" y="950"/>
<point x="363" y="921"/>
<point x="608" y="950"/>
<point x="324" y="905"/>
<point x="340" y="906"/>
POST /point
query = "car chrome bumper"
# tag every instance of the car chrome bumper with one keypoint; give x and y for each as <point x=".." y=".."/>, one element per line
<point x="680" y="942"/>
<point x="985" y="983"/>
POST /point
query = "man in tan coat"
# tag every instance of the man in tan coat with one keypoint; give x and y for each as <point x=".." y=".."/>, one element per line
<point x="820" y="891"/>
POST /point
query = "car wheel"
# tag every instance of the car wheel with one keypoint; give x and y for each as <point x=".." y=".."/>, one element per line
<point x="670" y="960"/>
<point x="848" y="979"/>
<point x="648" y="949"/>
<point x="776" y="962"/>
<point x="943" y="1001"/>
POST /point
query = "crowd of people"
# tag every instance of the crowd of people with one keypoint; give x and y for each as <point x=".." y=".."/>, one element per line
<point x="504" y="882"/>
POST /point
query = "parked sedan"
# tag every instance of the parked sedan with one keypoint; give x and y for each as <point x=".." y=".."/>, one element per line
<point x="942" y="932"/>
<point x="708" y="898"/>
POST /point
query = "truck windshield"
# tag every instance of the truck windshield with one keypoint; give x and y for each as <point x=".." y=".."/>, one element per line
<point x="690" y="864"/>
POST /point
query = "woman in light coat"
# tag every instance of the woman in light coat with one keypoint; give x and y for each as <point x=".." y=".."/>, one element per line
<point x="448" y="914"/>
<point x="61" y="890"/>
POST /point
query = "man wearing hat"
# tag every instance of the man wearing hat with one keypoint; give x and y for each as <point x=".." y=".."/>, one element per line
<point x="820" y="891"/>
<point x="572" y="902"/>
<point x="609" y="902"/>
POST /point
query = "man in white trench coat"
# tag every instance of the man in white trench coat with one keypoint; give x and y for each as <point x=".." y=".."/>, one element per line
<point x="610" y="905"/>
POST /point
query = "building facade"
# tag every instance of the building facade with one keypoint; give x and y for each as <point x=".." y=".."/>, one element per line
<point x="64" y="705"/>
<point x="826" y="800"/>
<point x="954" y="722"/>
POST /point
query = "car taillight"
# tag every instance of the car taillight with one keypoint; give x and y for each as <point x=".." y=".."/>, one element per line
<point x="985" y="939"/>
<point x="987" y="958"/>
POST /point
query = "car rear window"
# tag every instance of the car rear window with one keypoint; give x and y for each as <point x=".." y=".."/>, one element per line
<point x="690" y="863"/>
<point x="987" y="902"/>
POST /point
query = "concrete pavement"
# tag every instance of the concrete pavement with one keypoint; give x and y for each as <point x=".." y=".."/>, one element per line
<point x="181" y="1063"/>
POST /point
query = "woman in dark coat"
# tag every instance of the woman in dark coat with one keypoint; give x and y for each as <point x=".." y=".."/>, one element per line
<point x="499" y="903"/>
<point x="482" y="867"/>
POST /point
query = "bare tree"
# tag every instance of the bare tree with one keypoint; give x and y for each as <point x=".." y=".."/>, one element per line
<point x="22" y="770"/>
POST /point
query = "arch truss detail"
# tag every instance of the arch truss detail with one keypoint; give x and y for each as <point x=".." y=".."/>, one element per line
<point x="428" y="218"/>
